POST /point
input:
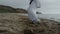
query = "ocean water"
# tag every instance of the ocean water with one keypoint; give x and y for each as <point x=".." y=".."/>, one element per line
<point x="47" y="16"/>
<point x="55" y="17"/>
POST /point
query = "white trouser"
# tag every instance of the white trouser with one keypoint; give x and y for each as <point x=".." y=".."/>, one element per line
<point x="32" y="12"/>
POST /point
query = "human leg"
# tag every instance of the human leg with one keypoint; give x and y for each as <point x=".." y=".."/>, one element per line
<point x="32" y="15"/>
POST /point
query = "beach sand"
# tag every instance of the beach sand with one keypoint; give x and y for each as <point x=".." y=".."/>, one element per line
<point x="15" y="23"/>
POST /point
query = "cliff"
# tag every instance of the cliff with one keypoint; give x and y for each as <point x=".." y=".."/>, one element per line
<point x="8" y="9"/>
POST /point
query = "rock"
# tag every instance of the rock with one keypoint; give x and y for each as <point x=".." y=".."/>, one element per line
<point x="12" y="23"/>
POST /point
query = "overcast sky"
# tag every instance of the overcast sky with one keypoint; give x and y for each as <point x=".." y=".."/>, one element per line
<point x="47" y="6"/>
<point x="15" y="3"/>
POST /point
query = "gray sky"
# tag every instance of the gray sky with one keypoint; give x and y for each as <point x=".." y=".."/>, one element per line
<point x="15" y="3"/>
<point x="47" y="6"/>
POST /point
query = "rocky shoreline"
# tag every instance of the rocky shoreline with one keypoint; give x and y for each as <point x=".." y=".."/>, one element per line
<point x="14" y="23"/>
